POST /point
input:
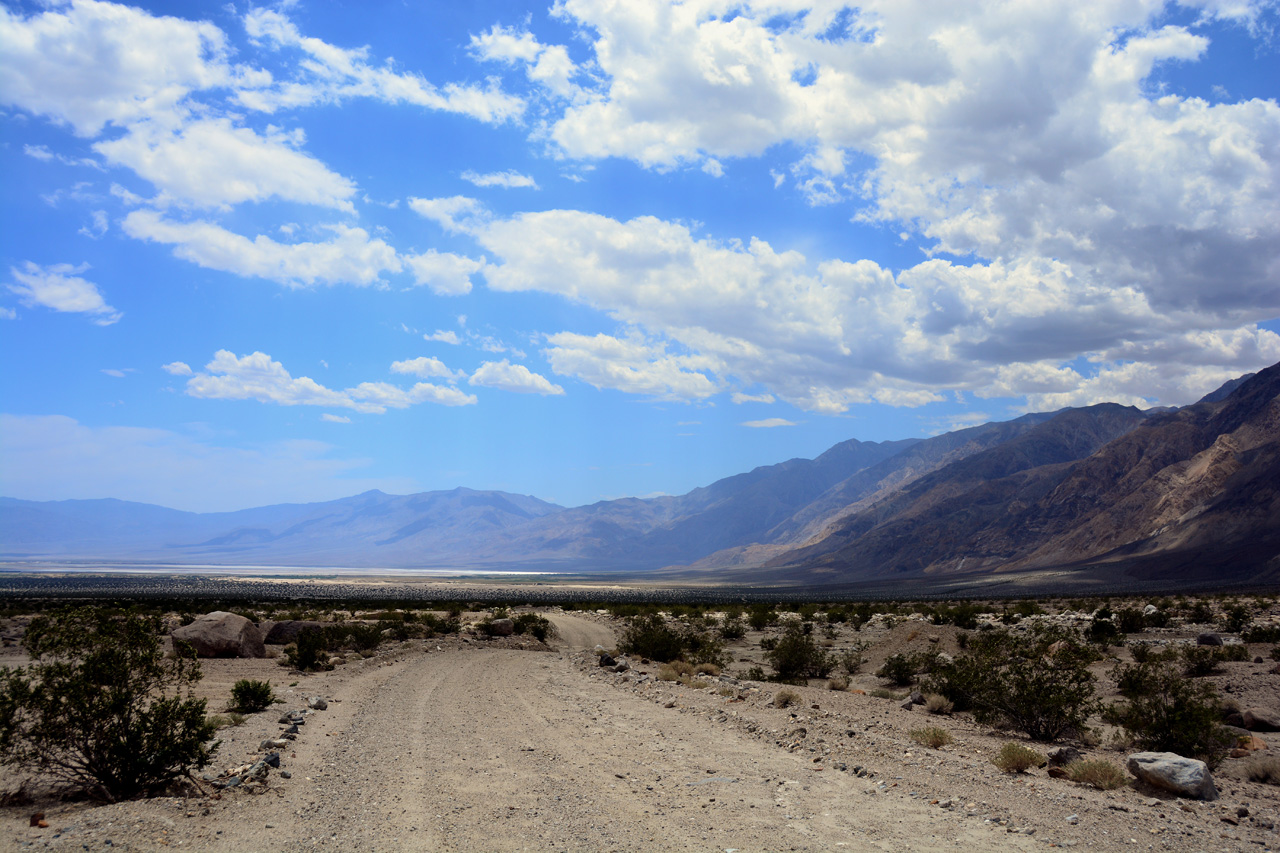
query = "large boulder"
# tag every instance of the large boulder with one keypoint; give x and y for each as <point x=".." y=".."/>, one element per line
<point x="502" y="628"/>
<point x="286" y="632"/>
<point x="1261" y="720"/>
<point x="1208" y="638"/>
<point x="223" y="635"/>
<point x="1168" y="771"/>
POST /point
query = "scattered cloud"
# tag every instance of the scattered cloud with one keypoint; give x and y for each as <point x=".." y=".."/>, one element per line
<point x="335" y="419"/>
<point x="427" y="368"/>
<point x="98" y="227"/>
<point x="444" y="336"/>
<point x="740" y="398"/>
<point x="8" y="314"/>
<point x="516" y="378"/>
<point x="258" y="377"/>
<point x="457" y="214"/>
<point x="59" y="287"/>
<point x="118" y="374"/>
<point x="177" y="368"/>
<point x="350" y="257"/>
<point x="506" y="180"/>
<point x="769" y="423"/>
<point x="632" y="365"/>
<point x="445" y="273"/>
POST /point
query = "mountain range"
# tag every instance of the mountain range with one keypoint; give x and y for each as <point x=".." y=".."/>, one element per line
<point x="1186" y="495"/>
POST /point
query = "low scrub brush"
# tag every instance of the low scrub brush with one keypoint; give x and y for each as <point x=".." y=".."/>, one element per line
<point x="785" y="698"/>
<point x="934" y="737"/>
<point x="1016" y="758"/>
<point x="1097" y="773"/>
<point x="1264" y="769"/>
<point x="838" y="682"/>
<point x="935" y="703"/>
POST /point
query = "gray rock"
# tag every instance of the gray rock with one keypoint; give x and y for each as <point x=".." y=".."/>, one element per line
<point x="285" y="774"/>
<point x="1168" y="771"/>
<point x="622" y="666"/>
<point x="1208" y="638"/>
<point x="272" y="743"/>
<point x="907" y="704"/>
<point x="286" y="632"/>
<point x="502" y="628"/>
<point x="607" y="660"/>
<point x="916" y="697"/>
<point x="222" y="635"/>
<point x="1149" y="609"/>
<point x="317" y="703"/>
<point x="1063" y="755"/>
<point x="1261" y="720"/>
<point x="272" y="759"/>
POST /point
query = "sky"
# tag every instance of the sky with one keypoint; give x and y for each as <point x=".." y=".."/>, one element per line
<point x="253" y="254"/>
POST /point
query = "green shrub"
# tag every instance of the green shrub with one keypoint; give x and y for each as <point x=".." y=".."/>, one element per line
<point x="1013" y="680"/>
<point x="1235" y="619"/>
<point x="310" y="651"/>
<point x="854" y="657"/>
<point x="101" y="707"/>
<point x="1262" y="634"/>
<point x="732" y="629"/>
<point x="797" y="656"/>
<point x="755" y="673"/>
<point x="934" y="737"/>
<point x="761" y="617"/>
<point x="249" y="696"/>
<point x="1275" y="653"/>
<point x="539" y="627"/>
<point x="1016" y="758"/>
<point x="649" y="636"/>
<point x="1163" y="711"/>
<point x="1236" y="652"/>
<point x="1131" y="621"/>
<point x="899" y="669"/>
<point x="1198" y="661"/>
<point x="1097" y="773"/>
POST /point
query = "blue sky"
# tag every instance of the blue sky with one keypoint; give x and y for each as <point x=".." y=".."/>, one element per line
<point x="256" y="254"/>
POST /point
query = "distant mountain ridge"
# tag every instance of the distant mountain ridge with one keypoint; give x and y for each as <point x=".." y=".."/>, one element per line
<point x="1180" y="492"/>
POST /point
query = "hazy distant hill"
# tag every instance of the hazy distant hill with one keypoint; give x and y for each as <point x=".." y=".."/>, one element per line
<point x="1163" y="493"/>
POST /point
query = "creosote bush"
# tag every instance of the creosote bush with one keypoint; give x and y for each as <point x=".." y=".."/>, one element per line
<point x="934" y="737"/>
<point x="102" y="708"/>
<point x="1097" y="773"/>
<point x="1163" y="711"/>
<point x="796" y="656"/>
<point x="785" y="698"/>
<point x="248" y="696"/>
<point x="1016" y="758"/>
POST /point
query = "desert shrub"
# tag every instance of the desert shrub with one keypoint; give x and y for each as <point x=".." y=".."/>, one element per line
<point x="649" y="636"/>
<point x="1199" y="661"/>
<point x="785" y="698"/>
<point x="539" y="627"/>
<point x="248" y="696"/>
<point x="1131" y="621"/>
<point x="1264" y="769"/>
<point x="1235" y="619"/>
<point x="755" y="673"/>
<point x="1163" y="711"/>
<point x="222" y="721"/>
<point x="1013" y="680"/>
<point x="883" y="693"/>
<point x="854" y="657"/>
<point x="309" y="652"/>
<point x="838" y="682"/>
<point x="667" y="672"/>
<point x="934" y="737"/>
<point x="1261" y="634"/>
<point x="936" y="703"/>
<point x="761" y="617"/>
<point x="797" y="656"/>
<point x="364" y="637"/>
<point x="768" y="644"/>
<point x="707" y="669"/>
<point x="1233" y="652"/>
<point x="1275" y="653"/>
<point x="1097" y="773"/>
<point x="101" y="707"/>
<point x="732" y="629"/>
<point x="1200" y="613"/>
<point x="899" y="669"/>
<point x="1016" y="758"/>
<point x="1102" y="630"/>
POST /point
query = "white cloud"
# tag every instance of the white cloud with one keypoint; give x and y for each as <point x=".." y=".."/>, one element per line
<point x="58" y="286"/>
<point x="99" y="226"/>
<point x="517" y="378"/>
<point x="740" y="398"/>
<point x="258" y="377"/>
<point x="118" y="374"/>
<point x="329" y="74"/>
<point x="351" y="257"/>
<point x="427" y="368"/>
<point x="457" y="214"/>
<point x="211" y="163"/>
<point x="88" y="64"/>
<point x="335" y="419"/>
<point x="53" y="457"/>
<point x="631" y="365"/>
<point x="548" y="66"/>
<point x="8" y="314"/>
<point x="768" y="423"/>
<point x="444" y="336"/>
<point x="509" y="179"/>
<point x="177" y="368"/>
<point x="444" y="272"/>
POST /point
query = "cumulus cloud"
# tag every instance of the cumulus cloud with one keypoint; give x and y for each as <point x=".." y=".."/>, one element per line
<point x="258" y="377"/>
<point x="329" y="74"/>
<point x="457" y="214"/>
<point x="509" y="179"/>
<point x="211" y="163"/>
<point x="59" y="287"/>
<point x="740" y="398"/>
<point x="631" y="364"/>
<point x="350" y="257"/>
<point x="444" y="336"/>
<point x="513" y="377"/>
<point x="548" y="66"/>
<point x="444" y="272"/>
<point x="427" y="368"/>
<point x="177" y="368"/>
<point x="53" y="457"/>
